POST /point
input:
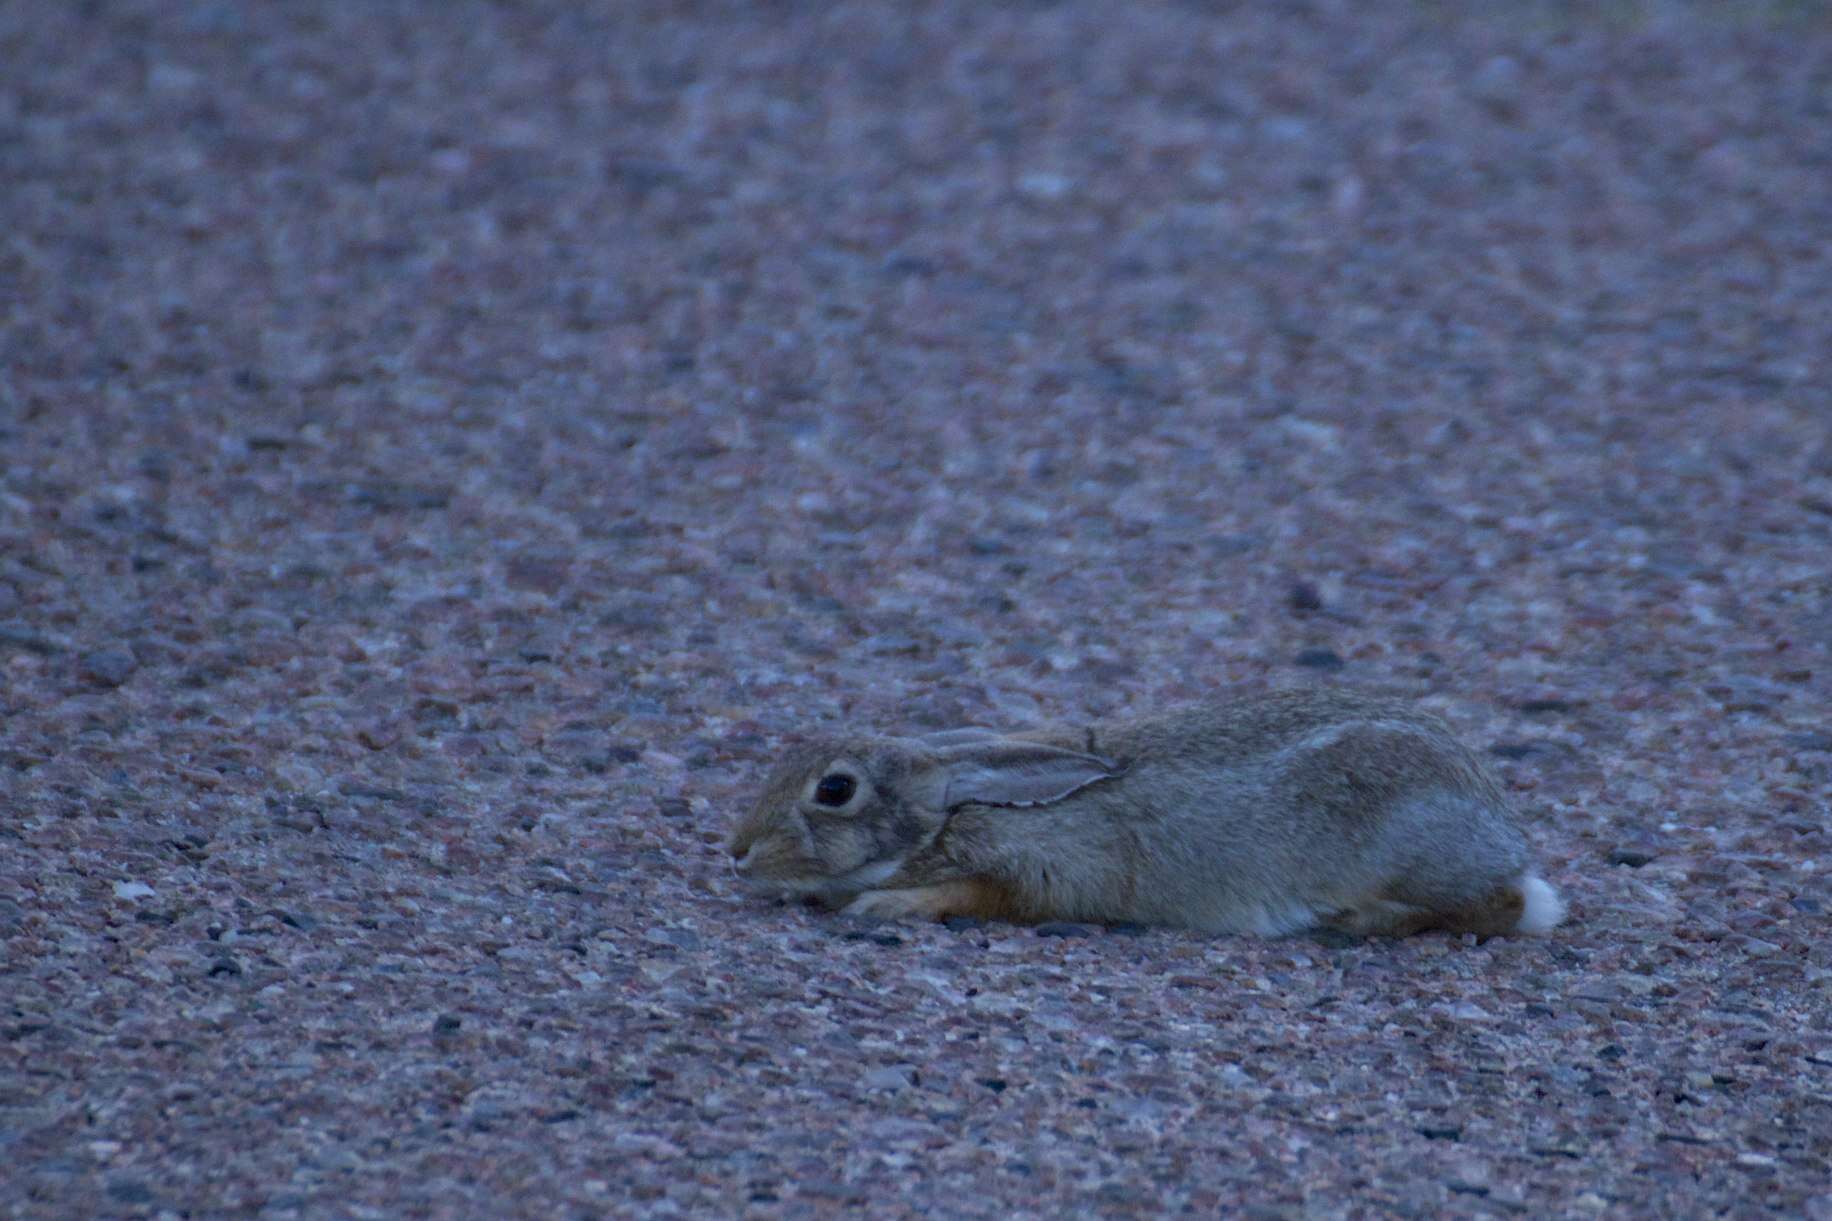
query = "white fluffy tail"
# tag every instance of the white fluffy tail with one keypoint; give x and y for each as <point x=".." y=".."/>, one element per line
<point x="1544" y="909"/>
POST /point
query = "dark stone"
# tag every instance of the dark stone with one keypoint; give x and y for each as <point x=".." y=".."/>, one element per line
<point x="876" y="938"/>
<point x="960" y="924"/>
<point x="1439" y="1132"/>
<point x="1305" y="599"/>
<point x="108" y="667"/>
<point x="1063" y="928"/>
<point x="1634" y="858"/>
<point x="1811" y="907"/>
<point x="225" y="965"/>
<point x="673" y="807"/>
<point x="1536" y="707"/>
<point x="447" y="1023"/>
<point x="1610" y="1051"/>
<point x="1319" y="659"/>
<point x="995" y="1084"/>
<point x="1332" y="938"/>
<point x="1126" y="928"/>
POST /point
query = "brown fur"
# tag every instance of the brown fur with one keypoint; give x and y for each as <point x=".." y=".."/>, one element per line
<point x="980" y="898"/>
<point x="1496" y="916"/>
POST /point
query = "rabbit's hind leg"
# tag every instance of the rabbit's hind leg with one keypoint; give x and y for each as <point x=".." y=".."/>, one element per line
<point x="967" y="897"/>
<point x="1493" y="915"/>
<point x="1381" y="918"/>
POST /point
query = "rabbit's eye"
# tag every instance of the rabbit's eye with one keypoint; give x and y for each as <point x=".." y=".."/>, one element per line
<point x="835" y="790"/>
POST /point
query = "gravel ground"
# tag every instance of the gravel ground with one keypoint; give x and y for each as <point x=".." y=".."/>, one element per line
<point x="447" y="449"/>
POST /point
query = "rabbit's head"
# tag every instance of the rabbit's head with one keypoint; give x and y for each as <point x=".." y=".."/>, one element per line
<point x="840" y="816"/>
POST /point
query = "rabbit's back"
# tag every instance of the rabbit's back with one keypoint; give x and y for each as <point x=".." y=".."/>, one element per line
<point x="1241" y="731"/>
<point x="1270" y="812"/>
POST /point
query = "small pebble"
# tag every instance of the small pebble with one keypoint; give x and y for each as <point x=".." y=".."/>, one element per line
<point x="130" y="1191"/>
<point x="1063" y="928"/>
<point x="886" y="1079"/>
<point x="107" y="667"/>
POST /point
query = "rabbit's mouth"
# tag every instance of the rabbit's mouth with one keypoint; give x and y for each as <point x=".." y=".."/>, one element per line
<point x="762" y="869"/>
<point x="851" y="882"/>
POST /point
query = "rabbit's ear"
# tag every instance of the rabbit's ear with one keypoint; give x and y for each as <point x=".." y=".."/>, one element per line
<point x="1010" y="772"/>
<point x="944" y="739"/>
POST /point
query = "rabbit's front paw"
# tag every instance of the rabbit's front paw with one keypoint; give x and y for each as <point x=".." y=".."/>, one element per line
<point x="919" y="902"/>
<point x="978" y="897"/>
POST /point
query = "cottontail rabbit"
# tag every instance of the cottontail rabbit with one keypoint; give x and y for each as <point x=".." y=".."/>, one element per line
<point x="1271" y="814"/>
